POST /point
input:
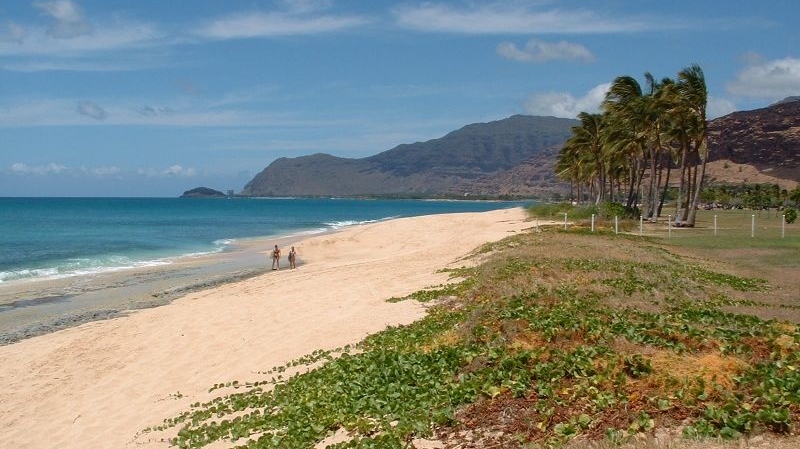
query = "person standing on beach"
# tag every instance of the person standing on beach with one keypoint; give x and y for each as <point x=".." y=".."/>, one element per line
<point x="276" y="258"/>
<point x="292" y="258"/>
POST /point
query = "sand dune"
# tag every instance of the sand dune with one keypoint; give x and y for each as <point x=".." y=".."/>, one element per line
<point x="97" y="385"/>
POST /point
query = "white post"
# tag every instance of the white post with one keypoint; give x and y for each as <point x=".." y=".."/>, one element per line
<point x="616" y="224"/>
<point x="753" y="225"/>
<point x="641" y="224"/>
<point x="592" y="222"/>
<point x="669" y="226"/>
<point x="783" y="225"/>
<point x="715" y="224"/>
<point x="565" y="221"/>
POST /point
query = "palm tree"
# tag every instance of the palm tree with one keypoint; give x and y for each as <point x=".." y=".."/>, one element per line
<point x="660" y="100"/>
<point x="637" y="118"/>
<point x="624" y="153"/>
<point x="694" y="94"/>
<point x="680" y="123"/>
<point x="581" y="159"/>
<point x="623" y="104"/>
<point x="568" y="168"/>
<point x="643" y="132"/>
<point x="588" y="138"/>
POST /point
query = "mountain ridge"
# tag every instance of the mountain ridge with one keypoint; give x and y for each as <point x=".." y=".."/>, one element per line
<point x="515" y="157"/>
<point x="424" y="168"/>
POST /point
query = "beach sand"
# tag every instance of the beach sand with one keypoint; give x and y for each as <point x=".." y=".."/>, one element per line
<point x="99" y="384"/>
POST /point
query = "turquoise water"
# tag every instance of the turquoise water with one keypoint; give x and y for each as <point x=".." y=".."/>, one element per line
<point x="60" y="237"/>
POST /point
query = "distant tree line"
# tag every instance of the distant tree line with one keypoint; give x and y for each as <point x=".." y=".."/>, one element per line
<point x="626" y="154"/>
<point x="750" y="196"/>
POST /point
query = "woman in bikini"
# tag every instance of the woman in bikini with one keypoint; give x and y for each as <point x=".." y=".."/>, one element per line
<point x="276" y="258"/>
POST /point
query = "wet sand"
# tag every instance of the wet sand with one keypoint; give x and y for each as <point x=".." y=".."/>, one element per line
<point x="31" y="308"/>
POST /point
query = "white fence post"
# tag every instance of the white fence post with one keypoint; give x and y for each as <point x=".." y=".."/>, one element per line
<point x="783" y="226"/>
<point x="592" y="223"/>
<point x="641" y="225"/>
<point x="669" y="226"/>
<point x="616" y="224"/>
<point x="715" y="224"/>
<point x="565" y="221"/>
<point x="753" y="225"/>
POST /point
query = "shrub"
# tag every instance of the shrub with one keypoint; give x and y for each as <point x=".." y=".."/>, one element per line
<point x="791" y="214"/>
<point x="610" y="210"/>
<point x="557" y="210"/>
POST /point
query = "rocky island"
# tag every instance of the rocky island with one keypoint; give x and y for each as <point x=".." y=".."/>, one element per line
<point x="203" y="192"/>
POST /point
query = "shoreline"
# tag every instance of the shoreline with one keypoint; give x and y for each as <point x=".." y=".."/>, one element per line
<point x="101" y="383"/>
<point x="32" y="308"/>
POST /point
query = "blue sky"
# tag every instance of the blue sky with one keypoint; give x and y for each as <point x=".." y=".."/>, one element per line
<point x="153" y="97"/>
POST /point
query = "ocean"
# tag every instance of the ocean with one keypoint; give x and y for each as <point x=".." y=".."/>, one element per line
<point x="59" y="237"/>
<point x="67" y="261"/>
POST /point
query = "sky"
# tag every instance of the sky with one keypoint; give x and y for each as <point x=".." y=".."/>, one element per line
<point x="152" y="98"/>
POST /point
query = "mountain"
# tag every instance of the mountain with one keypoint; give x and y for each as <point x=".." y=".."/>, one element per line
<point x="434" y="167"/>
<point x="515" y="157"/>
<point x="533" y="178"/>
<point x="767" y="139"/>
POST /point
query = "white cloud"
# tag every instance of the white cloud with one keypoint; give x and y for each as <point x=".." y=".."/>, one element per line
<point x="12" y="32"/>
<point x="514" y="18"/>
<point x="68" y="22"/>
<point x="563" y="104"/>
<point x="175" y="170"/>
<point x="772" y="80"/>
<point x="34" y="112"/>
<point x="717" y="107"/>
<point x="104" y="171"/>
<point x="70" y="36"/>
<point x="49" y="169"/>
<point x="258" y="24"/>
<point x="61" y="10"/>
<point x="304" y="6"/>
<point x="152" y="111"/>
<point x="92" y="110"/>
<point x="539" y="51"/>
<point x="78" y="42"/>
<point x="115" y="36"/>
<point x="107" y="65"/>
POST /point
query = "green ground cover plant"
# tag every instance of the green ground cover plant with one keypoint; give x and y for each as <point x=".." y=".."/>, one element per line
<point x="555" y="338"/>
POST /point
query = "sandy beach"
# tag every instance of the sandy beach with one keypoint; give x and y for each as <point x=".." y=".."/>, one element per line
<point x="99" y="384"/>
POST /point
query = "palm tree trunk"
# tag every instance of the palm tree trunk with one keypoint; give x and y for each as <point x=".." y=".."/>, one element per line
<point x="692" y="178"/>
<point x="651" y="187"/>
<point x="571" y="191"/>
<point x="666" y="184"/>
<point x="638" y="194"/>
<point x="682" y="186"/>
<point x="698" y="185"/>
<point x="631" y="187"/>
<point x="657" y="196"/>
